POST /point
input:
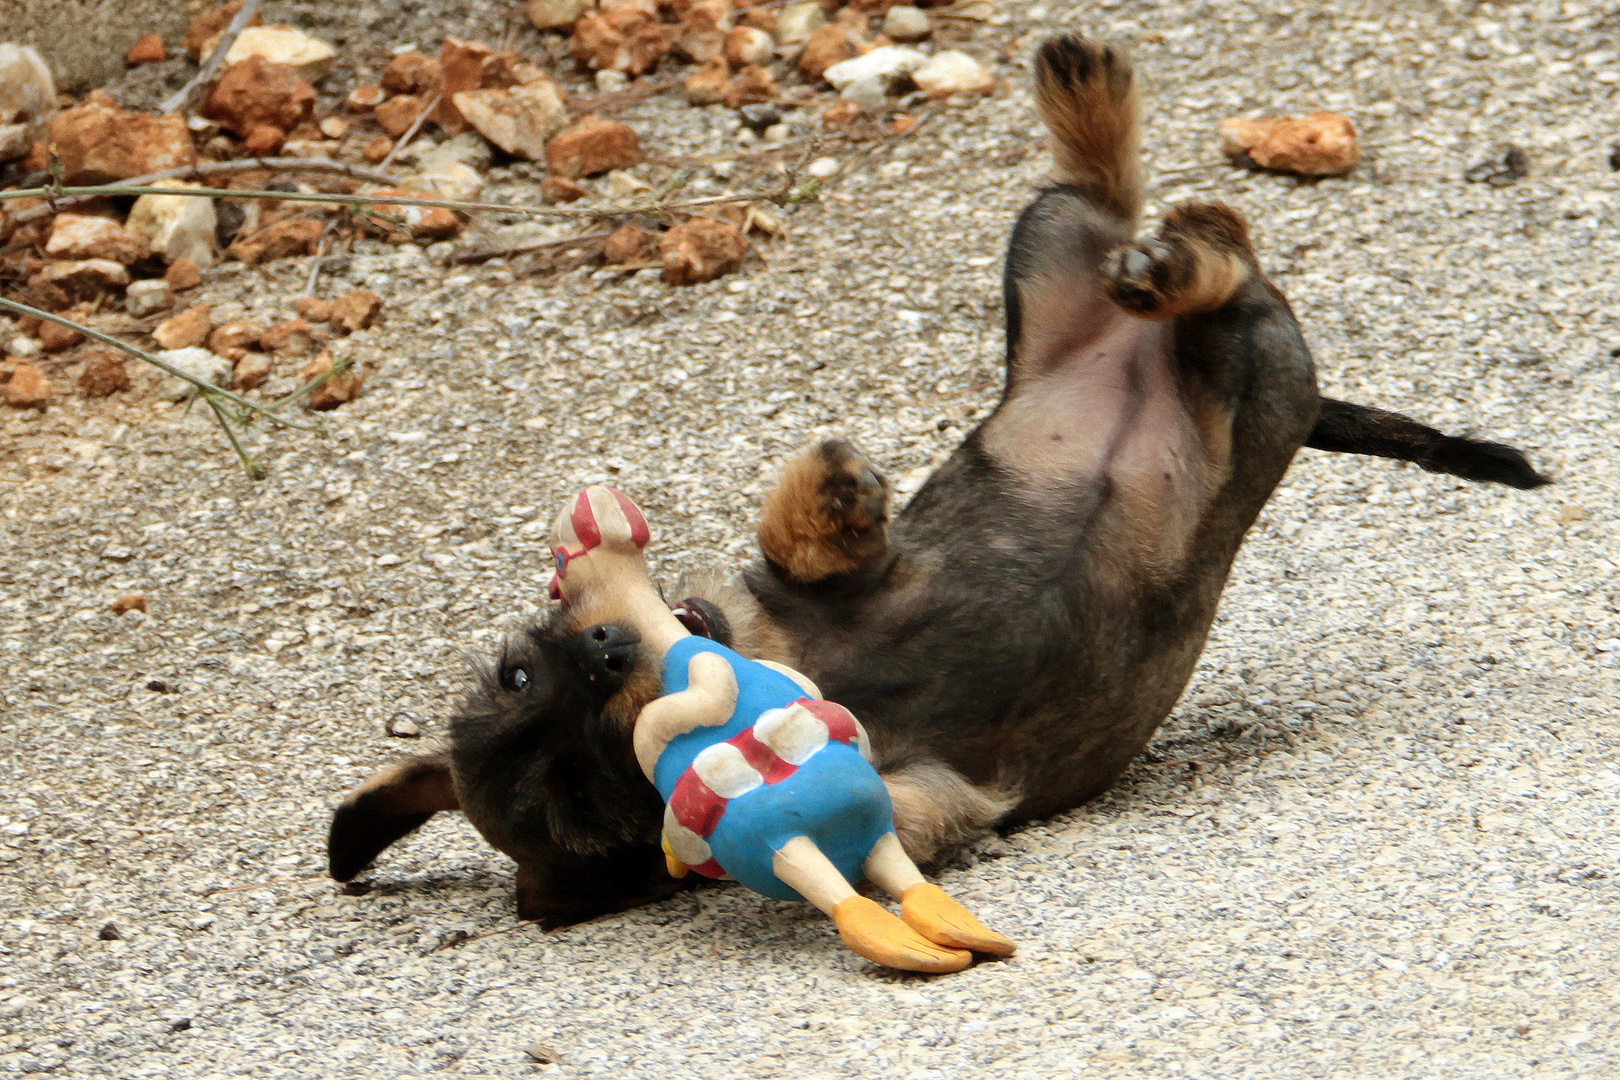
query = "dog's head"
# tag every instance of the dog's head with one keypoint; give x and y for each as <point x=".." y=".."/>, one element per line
<point x="542" y="751"/>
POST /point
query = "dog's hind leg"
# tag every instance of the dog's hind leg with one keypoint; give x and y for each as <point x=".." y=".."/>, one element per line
<point x="391" y="804"/>
<point x="827" y="515"/>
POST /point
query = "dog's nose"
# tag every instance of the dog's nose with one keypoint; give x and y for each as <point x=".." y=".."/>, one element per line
<point x="610" y="653"/>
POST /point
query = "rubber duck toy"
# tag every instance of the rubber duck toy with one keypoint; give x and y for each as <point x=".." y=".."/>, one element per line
<point x="762" y="780"/>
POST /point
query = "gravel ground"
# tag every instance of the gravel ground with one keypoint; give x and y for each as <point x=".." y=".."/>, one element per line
<point x="1378" y="839"/>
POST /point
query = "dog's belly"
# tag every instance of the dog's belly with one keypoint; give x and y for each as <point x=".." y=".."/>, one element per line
<point x="1107" y="414"/>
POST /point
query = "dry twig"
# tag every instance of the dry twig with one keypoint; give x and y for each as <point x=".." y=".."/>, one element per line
<point x="183" y="98"/>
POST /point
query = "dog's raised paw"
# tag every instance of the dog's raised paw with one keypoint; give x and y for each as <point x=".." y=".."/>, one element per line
<point x="1142" y="277"/>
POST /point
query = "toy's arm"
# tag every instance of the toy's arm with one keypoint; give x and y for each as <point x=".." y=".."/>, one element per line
<point x="709" y="699"/>
<point x="805" y="684"/>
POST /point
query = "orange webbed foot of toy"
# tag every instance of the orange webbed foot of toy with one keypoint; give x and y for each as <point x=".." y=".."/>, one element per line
<point x="875" y="933"/>
<point x="931" y="912"/>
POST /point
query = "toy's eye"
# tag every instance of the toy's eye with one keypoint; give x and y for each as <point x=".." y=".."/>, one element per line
<point x="515" y="679"/>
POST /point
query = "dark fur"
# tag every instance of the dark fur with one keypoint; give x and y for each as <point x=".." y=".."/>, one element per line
<point x="1013" y="639"/>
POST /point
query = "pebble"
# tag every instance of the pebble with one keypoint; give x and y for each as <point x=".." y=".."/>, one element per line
<point x="757" y="118"/>
<point x="403" y="727"/>
<point x="701" y="249"/>
<point x="252" y="95"/>
<point x="184" y="330"/>
<point x="126" y="603"/>
<point x="953" y="72"/>
<point x="28" y="387"/>
<point x="148" y="50"/>
<point x="519" y="120"/>
<point x="556" y="14"/>
<point x="76" y="236"/>
<point x="884" y="64"/>
<point x="180" y="227"/>
<point x="27" y="90"/>
<point x="310" y="57"/>
<point x="148" y="297"/>
<point x="1321" y="144"/>
<point x="822" y="167"/>
<point x="1507" y="166"/>
<point x="906" y="23"/>
<point x="593" y="146"/>
<point x="749" y="45"/>
<point x="24" y="345"/>
<point x="105" y="372"/>
<point x="196" y="362"/>
<point x="797" y="21"/>
<point x="97" y="143"/>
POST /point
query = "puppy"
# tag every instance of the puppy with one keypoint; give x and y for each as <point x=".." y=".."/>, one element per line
<point x="1014" y="637"/>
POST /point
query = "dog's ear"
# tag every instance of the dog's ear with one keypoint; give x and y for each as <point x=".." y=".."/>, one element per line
<point x="385" y="808"/>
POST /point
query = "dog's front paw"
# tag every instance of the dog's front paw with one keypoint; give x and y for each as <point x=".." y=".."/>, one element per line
<point x="827" y="515"/>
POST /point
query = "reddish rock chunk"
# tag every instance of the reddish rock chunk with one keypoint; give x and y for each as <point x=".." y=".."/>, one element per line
<point x="629" y="243"/>
<point x="251" y="370"/>
<point x="98" y="143"/>
<point x="234" y="339"/>
<point x="466" y="65"/>
<point x="80" y="236"/>
<point x="558" y="189"/>
<point x="397" y="114"/>
<point x="1321" y="144"/>
<point x="313" y="308"/>
<point x="422" y="222"/>
<point x="295" y="337"/>
<point x="28" y="388"/>
<point x="829" y="45"/>
<point x="365" y="98"/>
<point x="295" y="236"/>
<point x="252" y="93"/>
<point x="103" y="373"/>
<point x="593" y="146"/>
<point x="411" y="73"/>
<point x="753" y="85"/>
<point x="335" y="390"/>
<point x="377" y="149"/>
<point x="185" y="330"/>
<point x="701" y="249"/>
<point x="355" y="309"/>
<point x="703" y="30"/>
<point x="129" y="602"/>
<point x="183" y="274"/>
<point x="54" y="337"/>
<point x="709" y="84"/>
<point x="205" y="27"/>
<point x="625" y="36"/>
<point x="148" y="50"/>
<point x="263" y="140"/>
<point x="83" y="279"/>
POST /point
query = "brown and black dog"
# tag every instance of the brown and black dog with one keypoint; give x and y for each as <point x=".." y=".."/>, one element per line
<point x="1014" y="637"/>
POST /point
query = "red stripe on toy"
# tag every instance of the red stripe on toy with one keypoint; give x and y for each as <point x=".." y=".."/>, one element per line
<point x="696" y="805"/>
<point x="639" y="533"/>
<point x="583" y="519"/>
<point x="708" y="868"/>
<point x="764" y="760"/>
<point x="839" y="720"/>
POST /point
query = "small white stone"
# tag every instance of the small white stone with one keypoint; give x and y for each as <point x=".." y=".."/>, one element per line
<point x="22" y="345"/>
<point x="197" y="362"/>
<point x="144" y="298"/>
<point x="27" y="90"/>
<point x="798" y="21"/>
<point x="179" y="226"/>
<point x="822" y="167"/>
<point x="871" y="93"/>
<point x="280" y="45"/>
<point x="886" y="64"/>
<point x="953" y="72"/>
<point x="609" y="81"/>
<point x="906" y="23"/>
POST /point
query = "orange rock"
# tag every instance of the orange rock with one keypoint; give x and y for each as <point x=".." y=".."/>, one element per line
<point x="422" y="222"/>
<point x="80" y="279"/>
<point x="1321" y="144"/>
<point x="703" y="31"/>
<point x="903" y="124"/>
<point x="753" y="85"/>
<point x="252" y="92"/>
<point x="183" y="274"/>
<point x="84" y="236"/>
<point x="355" y="309"/>
<point x="761" y="19"/>
<point x="377" y="149"/>
<point x="234" y="339"/>
<point x="829" y="45"/>
<point x="334" y="127"/>
<point x="335" y="390"/>
<point x="97" y="143"/>
<point x="593" y="146"/>
<point x="204" y="28"/>
<point x="251" y="370"/>
<point x="709" y="84"/>
<point x="295" y="236"/>
<point x="263" y="140"/>
<point x="629" y="243"/>
<point x="749" y="45"/>
<point x="623" y="36"/>
<point x="412" y="73"/>
<point x="103" y="373"/>
<point x="313" y="308"/>
<point x="295" y="337"/>
<point x="560" y="189"/>
<point x="28" y="388"/>
<point x="129" y="602"/>
<point x="56" y="338"/>
<point x="365" y="98"/>
<point x="467" y="65"/>
<point x="397" y="114"/>
<point x="148" y="50"/>
<point x="701" y="249"/>
<point x="190" y="327"/>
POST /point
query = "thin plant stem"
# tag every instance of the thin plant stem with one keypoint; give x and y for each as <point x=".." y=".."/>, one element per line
<point x="183" y="98"/>
<point x="410" y="132"/>
<point x="254" y="468"/>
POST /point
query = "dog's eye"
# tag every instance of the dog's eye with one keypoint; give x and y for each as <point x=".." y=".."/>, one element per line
<point x="515" y="679"/>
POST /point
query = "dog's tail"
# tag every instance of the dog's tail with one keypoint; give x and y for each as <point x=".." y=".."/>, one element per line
<point x="1087" y="97"/>
<point x="1344" y="428"/>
